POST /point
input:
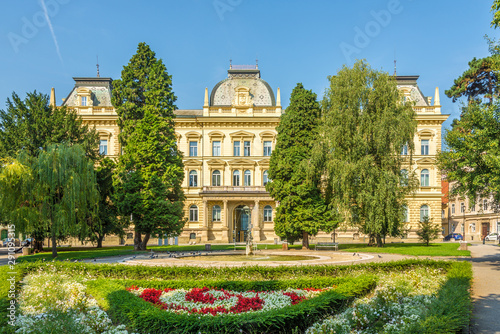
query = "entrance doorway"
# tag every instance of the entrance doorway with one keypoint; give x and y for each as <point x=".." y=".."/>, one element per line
<point x="241" y="223"/>
<point x="485" y="229"/>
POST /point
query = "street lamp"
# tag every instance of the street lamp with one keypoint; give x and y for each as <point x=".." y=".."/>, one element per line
<point x="249" y="250"/>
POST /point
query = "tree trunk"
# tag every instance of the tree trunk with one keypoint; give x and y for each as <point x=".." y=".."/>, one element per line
<point x="99" y="241"/>
<point x="144" y="243"/>
<point x="54" y="246"/>
<point x="137" y="241"/>
<point x="379" y="241"/>
<point x="305" y="240"/>
<point x="37" y="245"/>
<point x="371" y="240"/>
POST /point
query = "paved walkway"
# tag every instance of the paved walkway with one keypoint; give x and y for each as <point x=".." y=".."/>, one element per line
<point x="486" y="288"/>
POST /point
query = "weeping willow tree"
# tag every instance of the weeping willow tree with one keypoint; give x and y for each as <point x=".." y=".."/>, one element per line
<point x="55" y="192"/>
<point x="364" y="126"/>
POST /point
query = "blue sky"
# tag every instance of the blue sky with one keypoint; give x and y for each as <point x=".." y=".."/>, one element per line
<point x="294" y="41"/>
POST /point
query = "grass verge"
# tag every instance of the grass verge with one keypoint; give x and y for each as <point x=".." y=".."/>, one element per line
<point x="415" y="249"/>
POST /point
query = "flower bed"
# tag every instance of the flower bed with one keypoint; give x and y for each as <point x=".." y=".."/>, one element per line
<point x="209" y="301"/>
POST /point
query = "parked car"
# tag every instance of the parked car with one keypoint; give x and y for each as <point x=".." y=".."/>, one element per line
<point x="454" y="236"/>
<point x="5" y="242"/>
<point x="491" y="237"/>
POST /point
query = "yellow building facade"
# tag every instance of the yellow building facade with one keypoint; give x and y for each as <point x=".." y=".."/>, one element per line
<point x="227" y="147"/>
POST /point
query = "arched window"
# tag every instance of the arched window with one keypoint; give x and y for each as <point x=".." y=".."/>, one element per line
<point x="404" y="177"/>
<point x="265" y="177"/>
<point x="193" y="178"/>
<point x="216" y="213"/>
<point x="193" y="213"/>
<point x="248" y="178"/>
<point x="424" y="212"/>
<point x="236" y="178"/>
<point x="216" y="178"/>
<point x="268" y="213"/>
<point x="424" y="178"/>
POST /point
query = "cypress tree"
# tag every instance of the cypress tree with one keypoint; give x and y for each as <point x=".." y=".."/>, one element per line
<point x="150" y="169"/>
<point x="302" y="210"/>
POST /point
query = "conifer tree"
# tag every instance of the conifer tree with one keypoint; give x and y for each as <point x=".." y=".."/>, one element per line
<point x="33" y="124"/>
<point x="150" y="169"/>
<point x="364" y="125"/>
<point x="302" y="210"/>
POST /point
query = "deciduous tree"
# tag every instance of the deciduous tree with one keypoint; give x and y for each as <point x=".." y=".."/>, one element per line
<point x="150" y="170"/>
<point x="55" y="191"/>
<point x="364" y="125"/>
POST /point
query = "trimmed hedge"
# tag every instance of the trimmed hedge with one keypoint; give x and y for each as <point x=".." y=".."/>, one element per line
<point x="143" y="317"/>
<point x="120" y="271"/>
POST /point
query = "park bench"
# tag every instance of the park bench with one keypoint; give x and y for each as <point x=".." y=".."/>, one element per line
<point x="334" y="245"/>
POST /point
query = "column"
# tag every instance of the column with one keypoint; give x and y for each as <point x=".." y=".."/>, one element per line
<point x="226" y="234"/>
<point x="256" y="222"/>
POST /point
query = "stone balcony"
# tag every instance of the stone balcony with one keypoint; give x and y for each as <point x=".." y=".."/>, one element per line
<point x="234" y="189"/>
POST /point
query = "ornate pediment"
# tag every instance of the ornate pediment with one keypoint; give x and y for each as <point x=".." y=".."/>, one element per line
<point x="216" y="163"/>
<point x="426" y="133"/>
<point x="241" y="162"/>
<point x="426" y="161"/>
<point x="263" y="162"/>
<point x="242" y="135"/>
<point x="192" y="162"/>
<point x="193" y="135"/>
<point x="267" y="135"/>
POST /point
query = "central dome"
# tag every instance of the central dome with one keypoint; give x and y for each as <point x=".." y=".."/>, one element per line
<point x="243" y="87"/>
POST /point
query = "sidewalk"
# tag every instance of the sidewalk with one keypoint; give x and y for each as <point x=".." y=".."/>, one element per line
<point x="486" y="288"/>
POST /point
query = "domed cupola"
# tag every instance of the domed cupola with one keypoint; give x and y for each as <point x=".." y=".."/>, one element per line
<point x="242" y="88"/>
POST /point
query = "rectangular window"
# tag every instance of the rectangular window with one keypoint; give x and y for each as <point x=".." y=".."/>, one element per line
<point x="425" y="147"/>
<point x="246" y="149"/>
<point x="84" y="101"/>
<point x="267" y="148"/>
<point x="193" y="148"/>
<point x="236" y="151"/>
<point x="473" y="208"/>
<point x="404" y="149"/>
<point x="453" y="209"/>
<point x="216" y="148"/>
<point x="103" y="147"/>
<point x="473" y="227"/>
<point x="462" y="208"/>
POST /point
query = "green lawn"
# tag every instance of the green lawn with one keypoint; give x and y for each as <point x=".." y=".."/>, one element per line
<point x="80" y="253"/>
<point x="416" y="249"/>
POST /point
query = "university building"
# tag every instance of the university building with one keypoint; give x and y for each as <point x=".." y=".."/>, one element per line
<point x="227" y="146"/>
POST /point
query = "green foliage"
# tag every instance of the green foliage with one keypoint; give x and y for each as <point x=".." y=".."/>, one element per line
<point x="107" y="222"/>
<point x="428" y="231"/>
<point x="495" y="8"/>
<point x="365" y="123"/>
<point x="254" y="273"/>
<point x="479" y="80"/>
<point x="451" y="311"/>
<point x="54" y="191"/>
<point x="32" y="124"/>
<point x="5" y="298"/>
<point x="142" y="316"/>
<point x="302" y="208"/>
<point x="473" y="155"/>
<point x="150" y="170"/>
